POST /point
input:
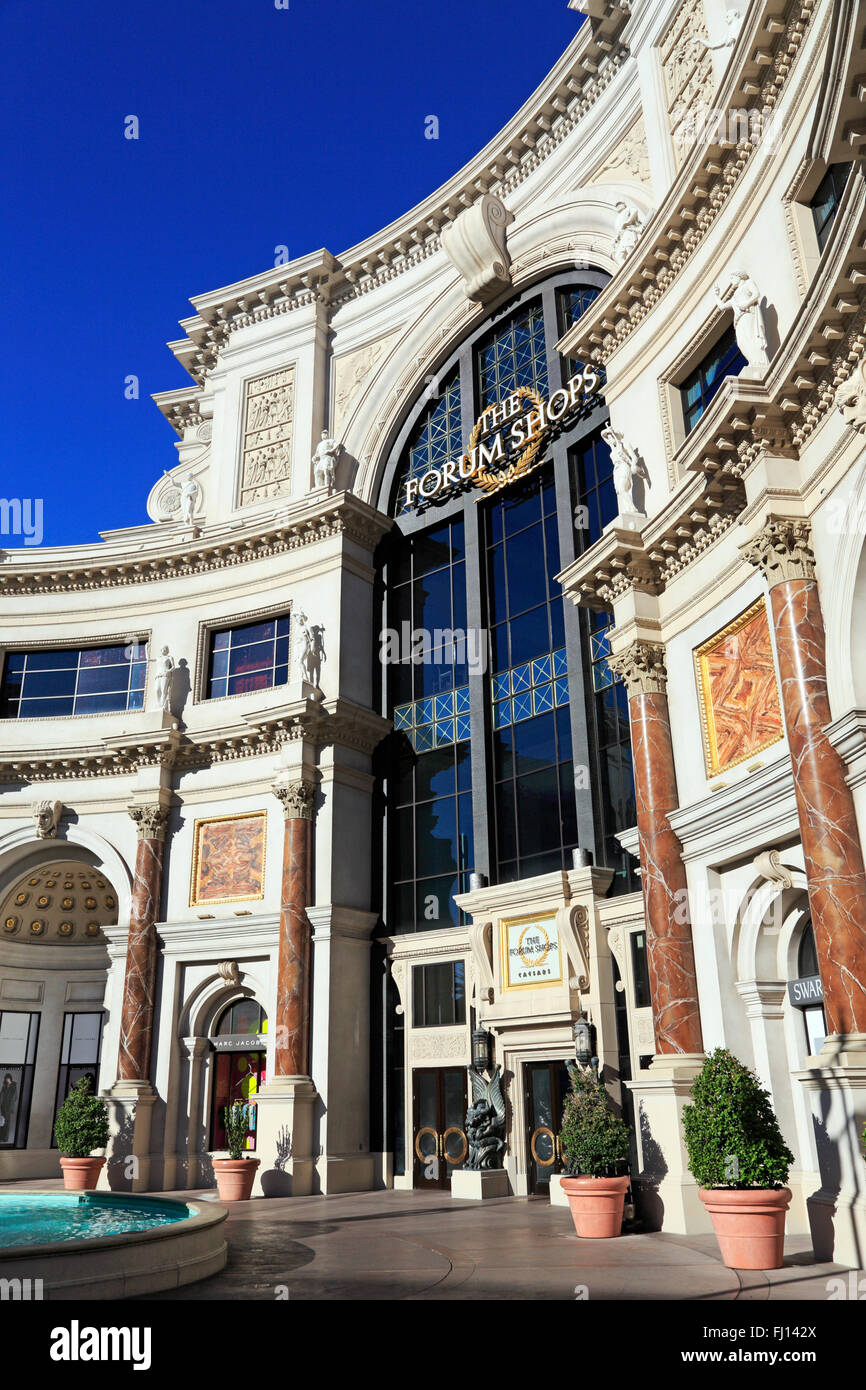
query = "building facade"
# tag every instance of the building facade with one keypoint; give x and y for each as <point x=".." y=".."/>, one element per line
<point x="490" y="660"/>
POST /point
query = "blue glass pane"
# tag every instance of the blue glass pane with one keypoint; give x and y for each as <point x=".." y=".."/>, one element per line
<point x="520" y="678"/>
<point x="502" y="714"/>
<point x="445" y="732"/>
<point x="541" y="670"/>
<point x="462" y="727"/>
<point x="522" y="707"/>
<point x="444" y="706"/>
<point x="424" y="712"/>
<point x="501" y="685"/>
<point x="403" y="717"/>
<point x="601" y="675"/>
<point x="461" y="697"/>
<point x="560" y="663"/>
<point x="423" y="739"/>
<point x="561" y="691"/>
<point x="542" y="699"/>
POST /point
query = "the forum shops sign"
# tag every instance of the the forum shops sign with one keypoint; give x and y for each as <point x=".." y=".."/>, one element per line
<point x="507" y="439"/>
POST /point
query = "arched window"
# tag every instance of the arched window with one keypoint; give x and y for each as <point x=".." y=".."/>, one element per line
<point x="510" y="744"/>
<point x="238" y="1040"/>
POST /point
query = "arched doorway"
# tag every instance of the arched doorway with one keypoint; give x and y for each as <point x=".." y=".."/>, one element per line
<point x="53" y="971"/>
<point x="239" y="1042"/>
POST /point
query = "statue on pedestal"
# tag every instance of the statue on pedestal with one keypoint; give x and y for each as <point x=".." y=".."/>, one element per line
<point x="626" y="467"/>
<point x="312" y="651"/>
<point x="325" y="461"/>
<point x="740" y="293"/>
<point x="164" y="679"/>
<point x="485" y="1121"/>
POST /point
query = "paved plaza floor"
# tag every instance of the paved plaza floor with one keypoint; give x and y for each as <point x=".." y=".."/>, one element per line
<point x="422" y="1246"/>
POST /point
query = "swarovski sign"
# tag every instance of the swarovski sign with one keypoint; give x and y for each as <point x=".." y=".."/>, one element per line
<point x="506" y="441"/>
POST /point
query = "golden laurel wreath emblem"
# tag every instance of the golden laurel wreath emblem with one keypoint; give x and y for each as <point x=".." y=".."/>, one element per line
<point x="532" y="964"/>
<point x="494" y="482"/>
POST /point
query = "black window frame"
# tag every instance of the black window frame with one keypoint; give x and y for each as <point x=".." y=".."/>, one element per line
<point x="825" y="201"/>
<point x="722" y="350"/>
<point x="28" y="1074"/>
<point x="37" y="663"/>
<point x="218" y="630"/>
<point x="420" y="989"/>
<point x="65" y="1067"/>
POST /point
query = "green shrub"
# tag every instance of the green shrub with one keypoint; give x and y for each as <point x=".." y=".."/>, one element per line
<point x="595" y="1142"/>
<point x="732" y="1136"/>
<point x="236" y="1128"/>
<point x="82" y="1122"/>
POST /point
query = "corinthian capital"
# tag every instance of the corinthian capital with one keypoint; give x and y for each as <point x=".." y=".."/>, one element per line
<point x="151" y="822"/>
<point x="783" y="550"/>
<point x="642" y="667"/>
<point x="296" y="799"/>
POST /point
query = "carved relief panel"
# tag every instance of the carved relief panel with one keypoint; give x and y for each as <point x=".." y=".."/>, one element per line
<point x="688" y="71"/>
<point x="266" y="440"/>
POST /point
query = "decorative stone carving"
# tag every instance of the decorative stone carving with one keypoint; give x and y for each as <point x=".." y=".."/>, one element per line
<point x="642" y="667"/>
<point x="627" y="465"/>
<point x="228" y="972"/>
<point x="268" y="426"/>
<point x="435" y="1045"/>
<point x="851" y="399"/>
<point x="297" y="799"/>
<point x="740" y="293"/>
<point x="770" y="867"/>
<point x="783" y="550"/>
<point x="475" y="244"/>
<point x="399" y="973"/>
<point x="190" y="495"/>
<point x="628" y="229"/>
<point x="733" y="20"/>
<point x="629" y="157"/>
<point x="311" y="652"/>
<point x="164" y="679"/>
<point x="325" y="461"/>
<point x="46" y="816"/>
<point x="151" y="822"/>
<point x="688" y="68"/>
<point x="350" y="373"/>
<point x="485" y="1121"/>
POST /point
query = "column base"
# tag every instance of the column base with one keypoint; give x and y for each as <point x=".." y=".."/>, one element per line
<point x="284" y="1137"/>
<point x="474" y="1185"/>
<point x="130" y="1114"/>
<point x="836" y="1081"/>
<point x="666" y="1194"/>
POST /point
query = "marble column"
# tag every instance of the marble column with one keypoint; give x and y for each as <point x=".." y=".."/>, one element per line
<point x="136" y="1019"/>
<point x="825" y="805"/>
<point x="670" y="954"/>
<point x="292" y="1024"/>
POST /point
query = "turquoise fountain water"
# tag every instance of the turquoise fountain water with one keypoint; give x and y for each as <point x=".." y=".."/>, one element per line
<point x="42" y="1218"/>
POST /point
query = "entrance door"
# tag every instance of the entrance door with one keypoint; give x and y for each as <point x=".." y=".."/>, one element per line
<point x="545" y="1086"/>
<point x="438" y="1124"/>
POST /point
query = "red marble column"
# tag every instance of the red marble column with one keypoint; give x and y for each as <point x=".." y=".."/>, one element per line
<point x="136" y="1019"/>
<point x="292" y="1028"/>
<point x="670" y="955"/>
<point x="825" y="805"/>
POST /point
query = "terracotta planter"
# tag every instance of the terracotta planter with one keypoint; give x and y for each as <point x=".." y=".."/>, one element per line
<point x="749" y="1225"/>
<point x="596" y="1205"/>
<point x="235" y="1177"/>
<point x="80" y="1174"/>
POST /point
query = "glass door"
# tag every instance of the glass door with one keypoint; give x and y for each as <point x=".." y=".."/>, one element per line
<point x="545" y="1086"/>
<point x="439" y="1118"/>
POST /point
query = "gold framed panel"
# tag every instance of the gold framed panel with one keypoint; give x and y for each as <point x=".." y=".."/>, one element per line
<point x="765" y="694"/>
<point x="229" y="852"/>
<point x="543" y="920"/>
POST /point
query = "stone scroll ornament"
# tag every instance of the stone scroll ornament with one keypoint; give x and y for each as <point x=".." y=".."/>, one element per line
<point x="485" y="1121"/>
<point x="475" y="245"/>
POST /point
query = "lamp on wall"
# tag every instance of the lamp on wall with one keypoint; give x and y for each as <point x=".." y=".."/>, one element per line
<point x="482" y="1050"/>
<point x="583" y="1041"/>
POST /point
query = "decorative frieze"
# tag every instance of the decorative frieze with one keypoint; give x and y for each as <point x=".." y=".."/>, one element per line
<point x="297" y="799"/>
<point x="782" y="551"/>
<point x="151" y="822"/>
<point x="688" y="72"/>
<point x="642" y="667"/>
<point x="268" y="424"/>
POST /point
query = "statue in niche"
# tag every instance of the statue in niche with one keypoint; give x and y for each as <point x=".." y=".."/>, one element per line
<point x="485" y="1121"/>
<point x="627" y="231"/>
<point x="312" y="651"/>
<point x="325" y="461"/>
<point x="740" y="293"/>
<point x="189" y="496"/>
<point x="164" y="679"/>
<point x="627" y="466"/>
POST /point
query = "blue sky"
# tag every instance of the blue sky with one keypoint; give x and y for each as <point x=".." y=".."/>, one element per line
<point x="257" y="127"/>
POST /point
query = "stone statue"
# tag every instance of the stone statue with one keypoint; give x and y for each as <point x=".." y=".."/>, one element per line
<point x="325" y="461"/>
<point x="46" y="816"/>
<point x="627" y="466"/>
<point x="164" y="679"/>
<point x="851" y="399"/>
<point x="740" y="293"/>
<point x="485" y="1121"/>
<point x="733" y="20"/>
<point x="628" y="229"/>
<point x="189" y="496"/>
<point x="312" y="651"/>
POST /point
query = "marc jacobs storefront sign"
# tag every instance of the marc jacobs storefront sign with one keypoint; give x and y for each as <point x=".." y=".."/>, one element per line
<point x="507" y="439"/>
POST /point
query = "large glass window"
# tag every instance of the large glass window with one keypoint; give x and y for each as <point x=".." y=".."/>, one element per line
<point x="18" y="1036"/>
<point x="435" y="438"/>
<point x="593" y="489"/>
<point x="80" y="1053"/>
<point x="828" y="196"/>
<point x="513" y="354"/>
<point x="614" y="770"/>
<point x="91" y="680"/>
<point x="252" y="657"/>
<point x="640" y="970"/>
<point x="701" y="385"/>
<point x="439" y="994"/>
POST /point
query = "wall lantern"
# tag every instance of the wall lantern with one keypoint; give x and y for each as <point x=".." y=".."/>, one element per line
<point x="482" y="1047"/>
<point x="582" y="1040"/>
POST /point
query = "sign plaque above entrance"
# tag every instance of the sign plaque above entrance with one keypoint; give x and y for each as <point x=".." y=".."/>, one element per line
<point x="530" y="952"/>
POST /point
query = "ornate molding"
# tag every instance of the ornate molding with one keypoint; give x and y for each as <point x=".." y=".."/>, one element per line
<point x="228" y="972"/>
<point x="151" y="822"/>
<point x="782" y="550"/>
<point x="297" y="799"/>
<point x="642" y="667"/>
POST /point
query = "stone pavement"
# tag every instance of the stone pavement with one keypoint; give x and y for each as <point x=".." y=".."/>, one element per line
<point x="422" y="1246"/>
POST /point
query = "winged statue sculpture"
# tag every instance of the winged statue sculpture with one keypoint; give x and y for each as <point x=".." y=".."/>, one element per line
<point x="485" y="1121"/>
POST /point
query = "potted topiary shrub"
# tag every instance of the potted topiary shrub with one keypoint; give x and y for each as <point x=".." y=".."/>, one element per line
<point x="81" y="1126"/>
<point x="740" y="1162"/>
<point x="595" y="1145"/>
<point x="236" y="1174"/>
